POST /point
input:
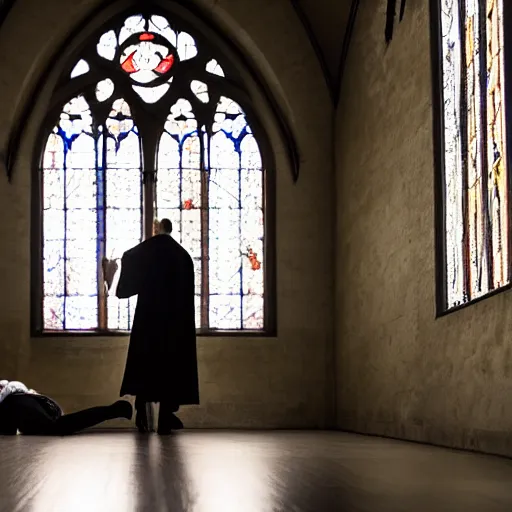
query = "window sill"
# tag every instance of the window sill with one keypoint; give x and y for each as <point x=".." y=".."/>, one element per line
<point x="445" y="312"/>
<point x="213" y="333"/>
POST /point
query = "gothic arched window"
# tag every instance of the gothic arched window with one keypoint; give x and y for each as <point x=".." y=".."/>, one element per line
<point x="148" y="123"/>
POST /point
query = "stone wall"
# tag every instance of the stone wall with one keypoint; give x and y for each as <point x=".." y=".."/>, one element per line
<point x="402" y="372"/>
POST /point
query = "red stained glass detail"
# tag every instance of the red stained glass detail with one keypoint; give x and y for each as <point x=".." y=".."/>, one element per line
<point x="146" y="37"/>
<point x="188" y="204"/>
<point x="128" y="64"/>
<point x="253" y="258"/>
<point x="165" y="64"/>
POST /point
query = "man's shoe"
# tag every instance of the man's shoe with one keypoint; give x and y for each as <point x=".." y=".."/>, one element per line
<point x="169" y="424"/>
<point x="141" y="422"/>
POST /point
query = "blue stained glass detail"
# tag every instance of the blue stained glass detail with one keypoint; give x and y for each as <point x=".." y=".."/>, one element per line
<point x="75" y="221"/>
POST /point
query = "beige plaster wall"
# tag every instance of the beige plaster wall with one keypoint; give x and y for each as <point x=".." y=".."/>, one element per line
<point x="272" y="382"/>
<point x="400" y="371"/>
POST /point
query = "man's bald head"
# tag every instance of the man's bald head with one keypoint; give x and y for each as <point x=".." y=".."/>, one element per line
<point x="165" y="227"/>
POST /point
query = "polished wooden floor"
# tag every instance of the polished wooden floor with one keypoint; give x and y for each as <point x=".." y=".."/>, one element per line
<point x="221" y="471"/>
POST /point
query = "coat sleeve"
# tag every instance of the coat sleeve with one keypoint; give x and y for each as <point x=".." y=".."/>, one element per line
<point x="131" y="274"/>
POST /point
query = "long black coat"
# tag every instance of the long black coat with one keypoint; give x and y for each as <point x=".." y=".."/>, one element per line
<point x="162" y="356"/>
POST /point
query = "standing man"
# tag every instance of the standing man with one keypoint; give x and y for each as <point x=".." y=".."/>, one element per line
<point x="162" y="360"/>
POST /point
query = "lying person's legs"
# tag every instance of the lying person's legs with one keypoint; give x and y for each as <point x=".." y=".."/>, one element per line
<point x="31" y="418"/>
<point x="76" y="421"/>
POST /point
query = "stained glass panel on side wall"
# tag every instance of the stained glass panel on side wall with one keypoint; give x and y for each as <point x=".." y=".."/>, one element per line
<point x="476" y="188"/>
<point x="478" y="263"/>
<point x="496" y="142"/>
<point x="453" y="170"/>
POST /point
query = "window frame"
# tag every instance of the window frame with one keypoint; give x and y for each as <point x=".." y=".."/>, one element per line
<point x="441" y="307"/>
<point x="234" y="91"/>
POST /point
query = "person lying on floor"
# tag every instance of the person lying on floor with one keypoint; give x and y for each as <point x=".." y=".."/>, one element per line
<point x="24" y="410"/>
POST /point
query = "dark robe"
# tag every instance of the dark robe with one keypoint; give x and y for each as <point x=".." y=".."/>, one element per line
<point x="162" y="360"/>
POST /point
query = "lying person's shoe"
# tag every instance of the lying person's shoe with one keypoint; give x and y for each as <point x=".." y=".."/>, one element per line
<point x="123" y="409"/>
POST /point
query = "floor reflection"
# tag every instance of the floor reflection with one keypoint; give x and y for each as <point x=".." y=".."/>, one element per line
<point x="216" y="471"/>
<point x="228" y="474"/>
<point x="161" y="480"/>
<point x="63" y="475"/>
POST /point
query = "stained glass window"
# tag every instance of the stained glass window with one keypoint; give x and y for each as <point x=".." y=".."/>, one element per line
<point x="474" y="149"/>
<point x="153" y="133"/>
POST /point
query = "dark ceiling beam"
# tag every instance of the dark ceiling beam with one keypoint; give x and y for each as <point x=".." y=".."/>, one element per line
<point x="345" y="48"/>
<point x="5" y="7"/>
<point x="333" y="83"/>
<point x="316" y="46"/>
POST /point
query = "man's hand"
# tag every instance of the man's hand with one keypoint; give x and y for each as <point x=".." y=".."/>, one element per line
<point x="110" y="267"/>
